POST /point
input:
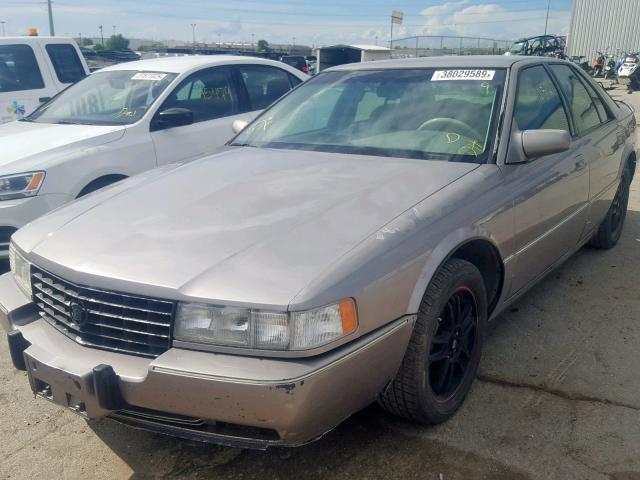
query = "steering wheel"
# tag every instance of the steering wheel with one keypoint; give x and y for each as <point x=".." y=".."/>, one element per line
<point x="443" y="124"/>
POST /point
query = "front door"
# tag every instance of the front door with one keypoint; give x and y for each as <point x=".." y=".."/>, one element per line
<point x="213" y="96"/>
<point x="552" y="191"/>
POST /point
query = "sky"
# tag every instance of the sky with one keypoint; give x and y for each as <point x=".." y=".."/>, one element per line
<point x="310" y="22"/>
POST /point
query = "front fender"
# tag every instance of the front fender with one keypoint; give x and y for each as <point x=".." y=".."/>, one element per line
<point x="443" y="252"/>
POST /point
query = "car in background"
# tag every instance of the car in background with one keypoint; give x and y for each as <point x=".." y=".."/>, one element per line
<point x="125" y="119"/>
<point x="541" y="45"/>
<point x="350" y="246"/>
<point x="296" y="61"/>
<point x="312" y="63"/>
<point x="34" y="69"/>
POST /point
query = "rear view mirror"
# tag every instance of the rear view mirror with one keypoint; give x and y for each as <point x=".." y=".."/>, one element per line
<point x="173" y="117"/>
<point x="239" y="125"/>
<point x="537" y="143"/>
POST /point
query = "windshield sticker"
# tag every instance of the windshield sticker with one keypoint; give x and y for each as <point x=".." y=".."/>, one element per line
<point x="440" y="75"/>
<point x="152" y="76"/>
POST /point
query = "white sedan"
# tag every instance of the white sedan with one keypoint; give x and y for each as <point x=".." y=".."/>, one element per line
<point x="126" y="119"/>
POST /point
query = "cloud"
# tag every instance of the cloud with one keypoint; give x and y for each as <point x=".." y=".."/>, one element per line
<point x="490" y="20"/>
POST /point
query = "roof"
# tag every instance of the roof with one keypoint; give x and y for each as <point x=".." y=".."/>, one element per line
<point x="187" y="63"/>
<point x="358" y="47"/>
<point x="467" y="61"/>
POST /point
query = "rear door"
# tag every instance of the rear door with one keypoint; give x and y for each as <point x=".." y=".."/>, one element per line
<point x="25" y="80"/>
<point x="598" y="136"/>
<point x="213" y="95"/>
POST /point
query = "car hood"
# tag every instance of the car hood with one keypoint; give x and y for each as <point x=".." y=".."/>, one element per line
<point x="246" y="226"/>
<point x="26" y="146"/>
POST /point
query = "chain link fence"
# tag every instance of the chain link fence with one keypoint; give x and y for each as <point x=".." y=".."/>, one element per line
<point x="437" y="45"/>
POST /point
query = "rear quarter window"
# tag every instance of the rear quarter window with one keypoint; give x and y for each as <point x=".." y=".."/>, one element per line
<point x="19" y="69"/>
<point x="66" y="62"/>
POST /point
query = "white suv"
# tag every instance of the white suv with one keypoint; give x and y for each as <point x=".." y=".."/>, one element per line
<point x="125" y="119"/>
<point x="34" y="69"/>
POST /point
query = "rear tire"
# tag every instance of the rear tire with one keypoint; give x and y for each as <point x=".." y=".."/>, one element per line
<point x="611" y="227"/>
<point x="447" y="340"/>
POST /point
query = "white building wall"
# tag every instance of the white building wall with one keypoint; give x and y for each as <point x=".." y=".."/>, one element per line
<point x="604" y="26"/>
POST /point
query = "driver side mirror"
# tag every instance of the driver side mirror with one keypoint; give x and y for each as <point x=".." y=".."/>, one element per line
<point x="537" y="143"/>
<point x="172" y="117"/>
<point x="238" y="125"/>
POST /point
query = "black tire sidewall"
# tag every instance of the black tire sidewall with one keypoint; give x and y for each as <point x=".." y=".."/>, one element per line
<point x="463" y="275"/>
<point x="610" y="237"/>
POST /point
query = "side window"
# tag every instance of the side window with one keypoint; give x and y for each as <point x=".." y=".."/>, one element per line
<point x="65" y="62"/>
<point x="584" y="111"/>
<point x="209" y="94"/>
<point x="603" y="112"/>
<point x="538" y="103"/>
<point x="19" y="69"/>
<point x="295" y="81"/>
<point x="264" y="84"/>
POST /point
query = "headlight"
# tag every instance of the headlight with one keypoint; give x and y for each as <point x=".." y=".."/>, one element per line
<point x="242" y="327"/>
<point x="21" y="269"/>
<point x="20" y="185"/>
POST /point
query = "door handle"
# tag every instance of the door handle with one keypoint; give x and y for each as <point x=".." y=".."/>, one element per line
<point x="580" y="164"/>
<point x="44" y="99"/>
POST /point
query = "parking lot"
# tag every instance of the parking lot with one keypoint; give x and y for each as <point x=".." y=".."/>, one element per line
<point x="557" y="396"/>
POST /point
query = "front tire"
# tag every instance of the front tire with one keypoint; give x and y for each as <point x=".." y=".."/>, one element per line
<point x="610" y="229"/>
<point x="444" y="352"/>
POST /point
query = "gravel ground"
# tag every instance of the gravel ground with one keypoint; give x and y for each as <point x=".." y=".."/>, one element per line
<point x="558" y="396"/>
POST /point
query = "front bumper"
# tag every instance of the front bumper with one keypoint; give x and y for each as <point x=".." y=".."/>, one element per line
<point x="17" y="213"/>
<point x="220" y="398"/>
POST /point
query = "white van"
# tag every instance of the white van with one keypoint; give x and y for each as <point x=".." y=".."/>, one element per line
<point x="34" y="69"/>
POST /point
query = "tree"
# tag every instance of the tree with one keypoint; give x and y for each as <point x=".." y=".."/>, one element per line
<point x="263" y="46"/>
<point x="98" y="47"/>
<point x="116" y="42"/>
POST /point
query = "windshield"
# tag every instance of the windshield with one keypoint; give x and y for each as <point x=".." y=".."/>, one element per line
<point x="118" y="97"/>
<point x="446" y="114"/>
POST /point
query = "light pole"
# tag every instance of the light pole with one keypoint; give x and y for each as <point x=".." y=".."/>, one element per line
<point x="219" y="40"/>
<point x="2" y="22"/>
<point x="546" y="22"/>
<point x="114" y="30"/>
<point x="193" y="32"/>
<point x="51" y="30"/>
<point x="293" y="47"/>
<point x="101" y="36"/>
<point x="253" y="35"/>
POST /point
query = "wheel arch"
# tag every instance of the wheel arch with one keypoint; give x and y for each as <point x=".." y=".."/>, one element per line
<point x="99" y="182"/>
<point x="479" y="250"/>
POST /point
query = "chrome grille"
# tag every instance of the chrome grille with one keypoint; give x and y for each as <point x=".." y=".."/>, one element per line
<point x="103" y="319"/>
